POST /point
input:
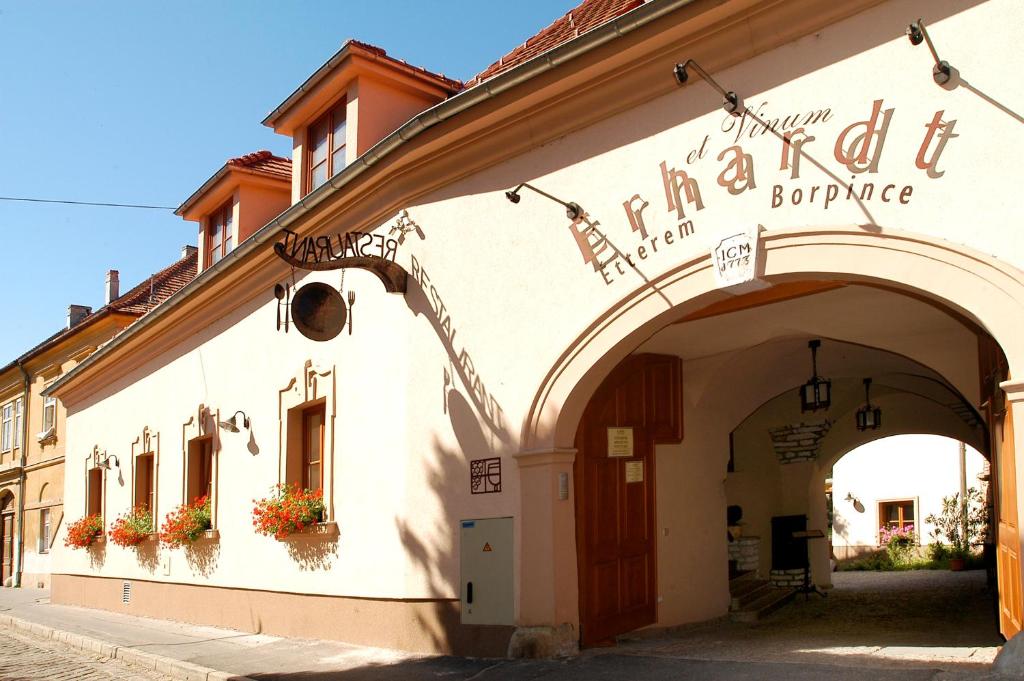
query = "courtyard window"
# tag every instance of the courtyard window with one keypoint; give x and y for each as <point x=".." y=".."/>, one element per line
<point x="896" y="514"/>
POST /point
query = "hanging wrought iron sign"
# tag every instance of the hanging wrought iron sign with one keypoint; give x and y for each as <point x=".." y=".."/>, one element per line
<point x="356" y="250"/>
<point x="318" y="311"/>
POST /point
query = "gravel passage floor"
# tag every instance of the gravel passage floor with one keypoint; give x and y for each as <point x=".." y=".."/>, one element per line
<point x="920" y="618"/>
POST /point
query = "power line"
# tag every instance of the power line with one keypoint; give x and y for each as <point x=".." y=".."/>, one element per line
<point x="85" y="203"/>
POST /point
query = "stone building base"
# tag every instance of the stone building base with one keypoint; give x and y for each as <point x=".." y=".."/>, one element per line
<point x="422" y="626"/>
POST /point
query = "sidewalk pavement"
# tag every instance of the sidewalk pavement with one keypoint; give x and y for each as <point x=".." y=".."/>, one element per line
<point x="195" y="653"/>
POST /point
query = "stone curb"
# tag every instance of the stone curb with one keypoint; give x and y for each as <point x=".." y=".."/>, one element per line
<point x="176" y="669"/>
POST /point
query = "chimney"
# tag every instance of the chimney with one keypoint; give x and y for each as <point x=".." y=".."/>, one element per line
<point x="77" y="313"/>
<point x="188" y="251"/>
<point x="113" y="287"/>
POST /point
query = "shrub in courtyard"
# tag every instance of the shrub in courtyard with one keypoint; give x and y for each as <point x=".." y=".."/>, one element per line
<point x="84" y="531"/>
<point x="961" y="522"/>
<point x="185" y="524"/>
<point x="289" y="509"/>
<point x="899" y="543"/>
<point x="132" y="528"/>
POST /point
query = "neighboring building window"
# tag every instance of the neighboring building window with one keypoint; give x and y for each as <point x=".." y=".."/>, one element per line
<point x="896" y="514"/>
<point x="18" y="424"/>
<point x="145" y="481"/>
<point x="7" y="427"/>
<point x="313" y="446"/>
<point x="49" y="414"/>
<point x="200" y="469"/>
<point x="44" y="530"/>
<point x="326" y="147"/>
<point x="94" y="504"/>
<point x="220" y="233"/>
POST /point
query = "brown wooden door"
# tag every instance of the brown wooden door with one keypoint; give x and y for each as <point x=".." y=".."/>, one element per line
<point x="615" y="511"/>
<point x="1008" y="533"/>
<point x="6" y="547"/>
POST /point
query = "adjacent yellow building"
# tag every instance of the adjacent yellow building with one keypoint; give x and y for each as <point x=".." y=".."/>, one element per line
<point x="32" y="427"/>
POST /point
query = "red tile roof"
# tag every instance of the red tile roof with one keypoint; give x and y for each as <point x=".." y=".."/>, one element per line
<point x="587" y="16"/>
<point x="157" y="288"/>
<point x="265" y="163"/>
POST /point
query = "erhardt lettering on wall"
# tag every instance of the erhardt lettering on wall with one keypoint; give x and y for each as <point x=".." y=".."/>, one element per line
<point x="857" y="149"/>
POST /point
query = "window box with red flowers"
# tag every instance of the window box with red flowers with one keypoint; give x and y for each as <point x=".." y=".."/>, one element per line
<point x="290" y="511"/>
<point x="189" y="523"/>
<point x="85" y="531"/>
<point x="132" y="528"/>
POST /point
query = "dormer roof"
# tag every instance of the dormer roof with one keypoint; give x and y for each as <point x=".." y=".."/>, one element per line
<point x="351" y="60"/>
<point x="261" y="167"/>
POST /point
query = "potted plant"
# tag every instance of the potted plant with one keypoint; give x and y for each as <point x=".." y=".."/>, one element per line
<point x="288" y="510"/>
<point x="132" y="528"/>
<point x="84" y="531"/>
<point x="188" y="522"/>
<point x="961" y="523"/>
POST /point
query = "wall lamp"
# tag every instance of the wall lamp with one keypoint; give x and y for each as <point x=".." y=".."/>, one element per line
<point x="231" y="425"/>
<point x="573" y="211"/>
<point x="942" y="72"/>
<point x="101" y="461"/>
<point x="733" y="103"/>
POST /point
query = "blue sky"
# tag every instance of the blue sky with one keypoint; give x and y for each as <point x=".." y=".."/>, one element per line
<point x="140" y="102"/>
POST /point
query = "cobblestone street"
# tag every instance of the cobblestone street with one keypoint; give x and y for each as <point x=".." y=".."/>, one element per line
<point x="24" y="658"/>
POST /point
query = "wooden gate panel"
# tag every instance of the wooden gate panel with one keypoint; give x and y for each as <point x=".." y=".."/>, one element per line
<point x="1008" y="532"/>
<point x="615" y="519"/>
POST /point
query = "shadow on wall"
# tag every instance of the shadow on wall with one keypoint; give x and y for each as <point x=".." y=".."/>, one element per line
<point x="434" y="549"/>
<point x="202" y="556"/>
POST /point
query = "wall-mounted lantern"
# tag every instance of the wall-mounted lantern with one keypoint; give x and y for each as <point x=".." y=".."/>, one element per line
<point x="816" y="393"/>
<point x="732" y="103"/>
<point x="231" y="425"/>
<point x="942" y="72"/>
<point x="573" y="211"/>
<point x="868" y="417"/>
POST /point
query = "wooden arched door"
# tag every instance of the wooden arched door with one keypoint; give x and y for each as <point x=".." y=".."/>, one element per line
<point x="638" y="405"/>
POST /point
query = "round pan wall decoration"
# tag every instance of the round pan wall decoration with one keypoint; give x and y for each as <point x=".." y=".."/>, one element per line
<point x="318" y="311"/>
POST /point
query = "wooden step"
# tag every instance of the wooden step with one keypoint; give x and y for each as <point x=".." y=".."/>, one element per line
<point x="765" y="604"/>
<point x="747" y="592"/>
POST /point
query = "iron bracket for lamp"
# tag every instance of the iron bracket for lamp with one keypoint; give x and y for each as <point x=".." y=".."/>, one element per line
<point x="105" y="463"/>
<point x="942" y="71"/>
<point x="231" y="425"/>
<point x="733" y="103"/>
<point x="573" y="211"/>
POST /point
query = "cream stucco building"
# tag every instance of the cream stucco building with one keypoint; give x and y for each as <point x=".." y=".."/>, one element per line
<point x="541" y="404"/>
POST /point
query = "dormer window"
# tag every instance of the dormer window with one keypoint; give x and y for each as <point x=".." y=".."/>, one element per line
<point x="326" y="145"/>
<point x="220" y="233"/>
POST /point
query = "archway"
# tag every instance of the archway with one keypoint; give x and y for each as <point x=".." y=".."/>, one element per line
<point x="7" y="541"/>
<point x="976" y="295"/>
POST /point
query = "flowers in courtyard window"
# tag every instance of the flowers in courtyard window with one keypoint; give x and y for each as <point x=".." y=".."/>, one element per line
<point x="132" y="528"/>
<point x="185" y="524"/>
<point x="899" y="542"/>
<point x="288" y="510"/>
<point x="84" y="531"/>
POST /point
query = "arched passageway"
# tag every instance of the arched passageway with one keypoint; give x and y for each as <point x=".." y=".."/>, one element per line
<point x="919" y="317"/>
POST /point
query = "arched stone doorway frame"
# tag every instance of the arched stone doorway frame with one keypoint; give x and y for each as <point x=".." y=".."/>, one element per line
<point x="977" y="286"/>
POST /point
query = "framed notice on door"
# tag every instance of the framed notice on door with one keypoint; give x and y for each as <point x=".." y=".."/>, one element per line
<point x="620" y="442"/>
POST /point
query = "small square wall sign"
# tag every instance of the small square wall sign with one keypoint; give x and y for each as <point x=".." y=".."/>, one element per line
<point x="485" y="476"/>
